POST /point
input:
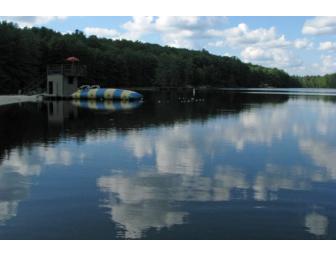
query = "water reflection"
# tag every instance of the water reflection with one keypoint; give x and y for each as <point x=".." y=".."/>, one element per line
<point x="168" y="167"/>
<point x="141" y="202"/>
<point x="323" y="155"/>
<point x="145" y="200"/>
<point x="148" y="199"/>
<point x="185" y="155"/>
<point x="107" y="104"/>
<point x="316" y="224"/>
<point x="15" y="182"/>
<point x="18" y="168"/>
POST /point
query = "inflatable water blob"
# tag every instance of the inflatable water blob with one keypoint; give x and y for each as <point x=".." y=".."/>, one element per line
<point x="95" y="92"/>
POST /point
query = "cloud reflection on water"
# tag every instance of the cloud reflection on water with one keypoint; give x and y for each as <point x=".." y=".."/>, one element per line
<point x="17" y="169"/>
<point x="194" y="161"/>
<point x="180" y="154"/>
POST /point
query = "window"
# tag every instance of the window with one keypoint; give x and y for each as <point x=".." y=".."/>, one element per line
<point x="50" y="87"/>
<point x="70" y="79"/>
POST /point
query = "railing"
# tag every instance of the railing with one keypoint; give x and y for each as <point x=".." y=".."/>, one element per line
<point x="67" y="69"/>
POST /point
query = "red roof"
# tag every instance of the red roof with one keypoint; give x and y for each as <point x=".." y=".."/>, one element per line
<point x="72" y="59"/>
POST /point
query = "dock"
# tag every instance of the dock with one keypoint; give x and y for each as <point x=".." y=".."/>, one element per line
<point x="14" y="99"/>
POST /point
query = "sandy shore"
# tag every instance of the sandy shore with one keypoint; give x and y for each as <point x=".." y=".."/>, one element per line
<point x="13" y="99"/>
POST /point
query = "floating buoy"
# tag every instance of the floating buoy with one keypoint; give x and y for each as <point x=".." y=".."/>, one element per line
<point x="95" y="92"/>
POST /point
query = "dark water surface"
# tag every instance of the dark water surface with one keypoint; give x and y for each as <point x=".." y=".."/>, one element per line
<point x="215" y="165"/>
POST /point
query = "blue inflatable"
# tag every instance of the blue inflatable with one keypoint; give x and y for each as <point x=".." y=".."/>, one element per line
<point x="95" y="92"/>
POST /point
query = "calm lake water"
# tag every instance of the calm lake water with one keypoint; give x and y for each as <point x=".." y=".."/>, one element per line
<point x="214" y="165"/>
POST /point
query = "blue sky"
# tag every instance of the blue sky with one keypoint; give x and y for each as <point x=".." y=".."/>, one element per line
<point x="299" y="45"/>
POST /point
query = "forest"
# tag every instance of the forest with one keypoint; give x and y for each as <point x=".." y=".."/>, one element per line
<point x="325" y="81"/>
<point x="25" y="53"/>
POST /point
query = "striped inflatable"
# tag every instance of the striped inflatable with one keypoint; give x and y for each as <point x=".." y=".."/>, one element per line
<point x="101" y="93"/>
<point x="107" y="104"/>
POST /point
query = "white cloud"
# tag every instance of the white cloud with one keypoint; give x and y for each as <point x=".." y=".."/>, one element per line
<point x="186" y="32"/>
<point x="242" y="36"/>
<point x="138" y="26"/>
<point x="255" y="54"/>
<point x="262" y="46"/>
<point x="328" y="64"/>
<point x="273" y="57"/>
<point x="303" y="43"/>
<point x="102" y="32"/>
<point x="175" y="31"/>
<point x="320" y="26"/>
<point x="30" y="21"/>
<point x="328" y="45"/>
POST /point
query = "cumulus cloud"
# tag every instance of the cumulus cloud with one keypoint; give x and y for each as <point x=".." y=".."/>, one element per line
<point x="102" y="32"/>
<point x="257" y="54"/>
<point x="261" y="45"/>
<point x="138" y="26"/>
<point x="328" y="45"/>
<point x="175" y="31"/>
<point x="242" y="35"/>
<point x="186" y="31"/>
<point x="328" y="64"/>
<point x="273" y="57"/>
<point x="320" y="26"/>
<point x="30" y="21"/>
<point x="303" y="43"/>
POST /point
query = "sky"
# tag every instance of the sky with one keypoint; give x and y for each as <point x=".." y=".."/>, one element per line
<point x="298" y="45"/>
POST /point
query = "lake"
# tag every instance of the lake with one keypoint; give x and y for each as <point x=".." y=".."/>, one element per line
<point x="226" y="164"/>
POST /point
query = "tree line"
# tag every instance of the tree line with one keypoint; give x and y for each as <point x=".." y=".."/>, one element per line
<point x="25" y="53"/>
<point x="318" y="81"/>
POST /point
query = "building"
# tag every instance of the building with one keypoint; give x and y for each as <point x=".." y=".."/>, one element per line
<point x="64" y="79"/>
